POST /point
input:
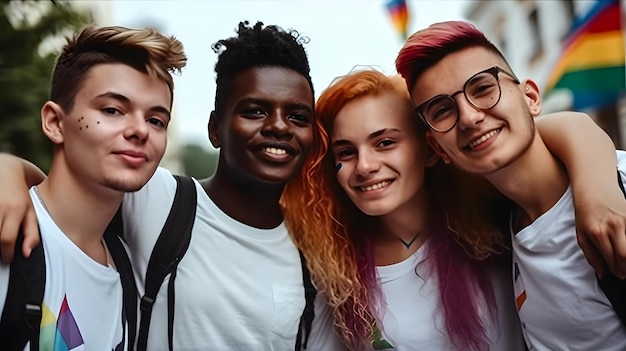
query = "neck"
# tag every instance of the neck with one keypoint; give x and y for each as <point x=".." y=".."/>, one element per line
<point x="402" y="232"/>
<point x="535" y="181"/>
<point x="256" y="205"/>
<point x="82" y="217"/>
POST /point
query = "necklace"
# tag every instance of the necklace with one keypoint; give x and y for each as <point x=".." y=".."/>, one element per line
<point x="408" y="245"/>
<point x="43" y="203"/>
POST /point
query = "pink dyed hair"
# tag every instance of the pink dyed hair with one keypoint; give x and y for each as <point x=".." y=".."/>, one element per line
<point x="426" y="47"/>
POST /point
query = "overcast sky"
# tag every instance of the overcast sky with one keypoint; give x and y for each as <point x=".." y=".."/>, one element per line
<point x="343" y="33"/>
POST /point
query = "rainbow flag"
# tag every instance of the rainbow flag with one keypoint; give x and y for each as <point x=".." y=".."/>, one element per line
<point x="592" y="63"/>
<point x="399" y="14"/>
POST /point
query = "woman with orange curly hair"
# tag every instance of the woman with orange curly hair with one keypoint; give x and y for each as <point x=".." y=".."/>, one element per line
<point x="368" y="213"/>
<point x="383" y="250"/>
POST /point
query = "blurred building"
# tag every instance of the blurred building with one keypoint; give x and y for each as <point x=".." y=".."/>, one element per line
<point x="101" y="11"/>
<point x="530" y="34"/>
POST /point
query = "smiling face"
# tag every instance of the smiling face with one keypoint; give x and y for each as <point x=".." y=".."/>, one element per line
<point x="482" y="141"/>
<point x="116" y="132"/>
<point x="375" y="139"/>
<point x="266" y="127"/>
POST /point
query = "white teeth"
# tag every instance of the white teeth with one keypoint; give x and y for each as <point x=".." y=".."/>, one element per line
<point x="275" y="151"/>
<point x="483" y="138"/>
<point x="376" y="186"/>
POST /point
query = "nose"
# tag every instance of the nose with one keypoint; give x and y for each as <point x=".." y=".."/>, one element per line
<point x="469" y="115"/>
<point x="137" y="128"/>
<point x="367" y="164"/>
<point x="277" y="125"/>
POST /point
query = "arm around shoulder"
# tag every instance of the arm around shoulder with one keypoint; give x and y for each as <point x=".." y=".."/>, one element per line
<point x="16" y="209"/>
<point x="589" y="156"/>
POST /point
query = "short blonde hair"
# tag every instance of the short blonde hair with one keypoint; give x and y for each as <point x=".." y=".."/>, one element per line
<point x="146" y="50"/>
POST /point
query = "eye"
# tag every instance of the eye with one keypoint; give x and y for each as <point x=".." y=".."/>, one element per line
<point x="483" y="85"/>
<point x="484" y="88"/>
<point x="440" y="111"/>
<point x="386" y="143"/>
<point x="343" y="154"/>
<point x="254" y="112"/>
<point x="299" y="117"/>
<point x="157" y="122"/>
<point x="111" y="111"/>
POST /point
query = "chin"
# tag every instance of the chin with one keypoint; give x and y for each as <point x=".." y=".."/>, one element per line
<point x="125" y="185"/>
<point x="277" y="177"/>
<point x="373" y="211"/>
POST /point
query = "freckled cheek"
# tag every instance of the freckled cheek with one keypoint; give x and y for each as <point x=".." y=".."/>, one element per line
<point x="83" y="123"/>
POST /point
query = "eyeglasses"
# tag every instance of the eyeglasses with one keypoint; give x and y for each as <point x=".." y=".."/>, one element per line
<point x="482" y="90"/>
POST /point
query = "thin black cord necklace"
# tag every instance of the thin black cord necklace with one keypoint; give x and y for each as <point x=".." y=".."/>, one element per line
<point x="408" y="245"/>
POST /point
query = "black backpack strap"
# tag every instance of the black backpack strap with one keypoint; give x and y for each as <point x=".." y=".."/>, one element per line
<point x="306" y="320"/>
<point x="613" y="287"/>
<point x="113" y="239"/>
<point x="21" y="316"/>
<point x="167" y="253"/>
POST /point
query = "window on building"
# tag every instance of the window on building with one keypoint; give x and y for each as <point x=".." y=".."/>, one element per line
<point x="498" y="32"/>
<point x="535" y="27"/>
<point x="569" y="10"/>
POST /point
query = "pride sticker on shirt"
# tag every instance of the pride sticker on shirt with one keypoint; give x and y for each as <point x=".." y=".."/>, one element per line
<point x="60" y="334"/>
<point x="520" y="298"/>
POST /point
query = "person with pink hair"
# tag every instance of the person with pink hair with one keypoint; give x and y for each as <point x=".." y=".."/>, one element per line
<point x="481" y="118"/>
<point x="406" y="260"/>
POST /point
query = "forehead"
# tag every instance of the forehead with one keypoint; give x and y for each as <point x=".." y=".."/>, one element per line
<point x="450" y="73"/>
<point x="368" y="114"/>
<point x="275" y="85"/>
<point x="122" y="79"/>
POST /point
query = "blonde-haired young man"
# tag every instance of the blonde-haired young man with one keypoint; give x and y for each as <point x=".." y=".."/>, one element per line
<point x="110" y="101"/>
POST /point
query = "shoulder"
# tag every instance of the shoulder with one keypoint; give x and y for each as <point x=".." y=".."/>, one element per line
<point x="144" y="211"/>
<point x="159" y="188"/>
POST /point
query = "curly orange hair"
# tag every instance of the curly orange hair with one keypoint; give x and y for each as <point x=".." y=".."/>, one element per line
<point x="328" y="227"/>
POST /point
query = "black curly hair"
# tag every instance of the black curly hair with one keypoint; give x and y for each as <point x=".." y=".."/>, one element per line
<point x="258" y="46"/>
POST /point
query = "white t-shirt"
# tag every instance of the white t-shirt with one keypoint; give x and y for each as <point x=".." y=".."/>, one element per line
<point x="237" y="287"/>
<point x="412" y="319"/>
<point x="82" y="303"/>
<point x="561" y="305"/>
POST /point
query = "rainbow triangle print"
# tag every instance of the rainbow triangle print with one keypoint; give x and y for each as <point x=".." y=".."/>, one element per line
<point x="60" y="334"/>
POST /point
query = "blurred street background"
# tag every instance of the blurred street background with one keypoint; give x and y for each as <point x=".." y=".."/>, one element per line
<point x="574" y="50"/>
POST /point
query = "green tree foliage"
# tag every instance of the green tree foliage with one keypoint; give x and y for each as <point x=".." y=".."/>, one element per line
<point x="198" y="162"/>
<point x="25" y="73"/>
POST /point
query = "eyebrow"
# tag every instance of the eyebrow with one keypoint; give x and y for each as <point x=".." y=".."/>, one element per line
<point x="261" y="102"/>
<point x="123" y="99"/>
<point x="374" y="135"/>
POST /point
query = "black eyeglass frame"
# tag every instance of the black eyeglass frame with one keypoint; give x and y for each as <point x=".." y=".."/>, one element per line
<point x="492" y="70"/>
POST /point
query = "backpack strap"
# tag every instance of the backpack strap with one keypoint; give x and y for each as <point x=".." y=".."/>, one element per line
<point x="613" y="287"/>
<point x="306" y="320"/>
<point x="113" y="240"/>
<point x="167" y="253"/>
<point x="21" y="316"/>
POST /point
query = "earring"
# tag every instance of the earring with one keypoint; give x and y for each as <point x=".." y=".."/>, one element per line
<point x="527" y="88"/>
<point x="445" y="158"/>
